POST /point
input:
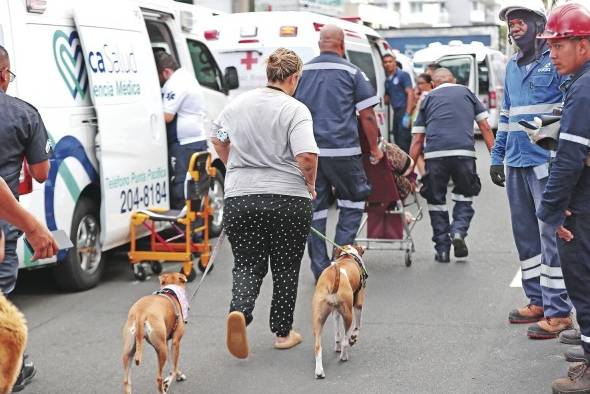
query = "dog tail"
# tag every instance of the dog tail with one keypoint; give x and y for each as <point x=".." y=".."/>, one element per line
<point x="139" y="334"/>
<point x="336" y="283"/>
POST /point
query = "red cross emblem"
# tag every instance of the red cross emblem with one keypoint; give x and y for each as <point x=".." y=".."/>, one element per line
<point x="249" y="60"/>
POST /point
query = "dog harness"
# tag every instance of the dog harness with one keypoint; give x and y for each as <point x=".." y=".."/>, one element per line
<point x="174" y="292"/>
<point x="349" y="251"/>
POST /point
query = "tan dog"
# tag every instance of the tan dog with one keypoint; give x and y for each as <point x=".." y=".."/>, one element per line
<point x="340" y="291"/>
<point x="13" y="339"/>
<point x="157" y="318"/>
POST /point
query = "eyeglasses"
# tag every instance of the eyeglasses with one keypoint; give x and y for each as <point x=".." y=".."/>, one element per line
<point x="11" y="75"/>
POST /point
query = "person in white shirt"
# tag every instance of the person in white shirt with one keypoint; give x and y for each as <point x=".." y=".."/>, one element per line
<point x="186" y="121"/>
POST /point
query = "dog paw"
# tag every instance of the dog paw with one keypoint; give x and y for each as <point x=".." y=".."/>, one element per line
<point x="352" y="340"/>
<point x="344" y="356"/>
<point x="166" y="383"/>
<point x="180" y="377"/>
<point x="320" y="375"/>
<point x="338" y="347"/>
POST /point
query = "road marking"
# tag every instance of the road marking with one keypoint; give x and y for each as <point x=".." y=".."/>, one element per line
<point x="517" y="281"/>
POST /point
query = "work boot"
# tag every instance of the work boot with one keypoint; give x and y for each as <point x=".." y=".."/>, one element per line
<point x="570" y="337"/>
<point x="27" y="372"/>
<point x="576" y="382"/>
<point x="574" y="356"/>
<point x="459" y="246"/>
<point x="442" y="257"/>
<point x="550" y="327"/>
<point x="527" y="314"/>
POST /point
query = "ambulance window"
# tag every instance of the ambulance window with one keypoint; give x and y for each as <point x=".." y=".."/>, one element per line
<point x="364" y="61"/>
<point x="206" y="70"/>
<point x="161" y="38"/>
<point x="483" y="74"/>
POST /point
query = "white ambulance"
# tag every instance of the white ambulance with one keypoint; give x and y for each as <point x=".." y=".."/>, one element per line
<point x="474" y="65"/>
<point x="88" y="66"/>
<point x="245" y="40"/>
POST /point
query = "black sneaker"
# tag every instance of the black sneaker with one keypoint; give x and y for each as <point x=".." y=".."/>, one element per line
<point x="570" y="337"/>
<point x="442" y="257"/>
<point x="574" y="356"/>
<point x="25" y="376"/>
<point x="459" y="246"/>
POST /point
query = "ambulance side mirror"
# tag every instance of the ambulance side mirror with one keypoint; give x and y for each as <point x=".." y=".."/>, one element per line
<point x="230" y="78"/>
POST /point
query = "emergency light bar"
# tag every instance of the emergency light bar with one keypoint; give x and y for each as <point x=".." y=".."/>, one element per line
<point x="248" y="31"/>
<point x="36" y="6"/>
<point x="211" y="35"/>
<point x="288" y="31"/>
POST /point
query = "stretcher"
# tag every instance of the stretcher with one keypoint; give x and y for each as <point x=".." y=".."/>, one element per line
<point x="186" y="235"/>
<point x="389" y="220"/>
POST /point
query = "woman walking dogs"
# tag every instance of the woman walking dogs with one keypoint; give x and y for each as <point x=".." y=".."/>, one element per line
<point x="265" y="138"/>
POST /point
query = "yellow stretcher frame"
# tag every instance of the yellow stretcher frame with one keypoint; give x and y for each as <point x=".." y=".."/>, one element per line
<point x="167" y="250"/>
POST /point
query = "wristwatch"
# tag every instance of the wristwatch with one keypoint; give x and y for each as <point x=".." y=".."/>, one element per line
<point x="222" y="135"/>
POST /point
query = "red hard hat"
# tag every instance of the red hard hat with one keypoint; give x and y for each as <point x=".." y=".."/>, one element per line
<point x="569" y="20"/>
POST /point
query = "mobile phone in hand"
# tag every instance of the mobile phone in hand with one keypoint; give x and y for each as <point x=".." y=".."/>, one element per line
<point x="61" y="238"/>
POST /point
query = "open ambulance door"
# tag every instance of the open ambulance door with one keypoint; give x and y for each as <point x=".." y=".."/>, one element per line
<point x="464" y="68"/>
<point x="131" y="140"/>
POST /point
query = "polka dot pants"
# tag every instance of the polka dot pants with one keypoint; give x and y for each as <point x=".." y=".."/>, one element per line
<point x="260" y="227"/>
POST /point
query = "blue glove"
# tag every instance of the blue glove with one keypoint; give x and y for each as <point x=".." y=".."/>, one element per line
<point x="406" y="120"/>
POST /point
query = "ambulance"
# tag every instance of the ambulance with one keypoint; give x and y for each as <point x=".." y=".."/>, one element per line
<point x="245" y="40"/>
<point x="474" y="65"/>
<point x="88" y="67"/>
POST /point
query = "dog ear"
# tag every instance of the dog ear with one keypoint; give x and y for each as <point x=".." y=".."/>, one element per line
<point x="183" y="278"/>
<point x="162" y="278"/>
<point x="337" y="253"/>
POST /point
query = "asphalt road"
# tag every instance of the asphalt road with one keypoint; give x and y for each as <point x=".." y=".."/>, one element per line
<point x="430" y="328"/>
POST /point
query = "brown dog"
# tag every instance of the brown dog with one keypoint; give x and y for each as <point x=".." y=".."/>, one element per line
<point x="340" y="290"/>
<point x="157" y="318"/>
<point x="13" y="339"/>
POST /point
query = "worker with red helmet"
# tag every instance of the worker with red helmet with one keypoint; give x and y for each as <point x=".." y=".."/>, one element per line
<point x="566" y="200"/>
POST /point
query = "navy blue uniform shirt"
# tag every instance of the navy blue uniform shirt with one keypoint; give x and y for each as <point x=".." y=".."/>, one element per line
<point x="446" y="116"/>
<point x="334" y="90"/>
<point x="568" y="186"/>
<point x="22" y="135"/>
<point x="395" y="87"/>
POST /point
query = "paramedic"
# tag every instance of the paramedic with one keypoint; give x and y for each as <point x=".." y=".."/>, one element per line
<point x="445" y="123"/>
<point x="186" y="121"/>
<point x="399" y="93"/>
<point x="566" y="200"/>
<point x="334" y="90"/>
<point x="22" y="135"/>
<point x="531" y="89"/>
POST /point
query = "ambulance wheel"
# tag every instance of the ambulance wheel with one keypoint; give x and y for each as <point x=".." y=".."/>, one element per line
<point x="190" y="277"/>
<point x="216" y="202"/>
<point x="408" y="258"/>
<point x="139" y="272"/>
<point x="203" y="267"/>
<point x="82" y="267"/>
<point x="156" y="267"/>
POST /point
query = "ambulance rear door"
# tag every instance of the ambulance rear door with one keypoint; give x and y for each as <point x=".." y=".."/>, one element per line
<point x="131" y="142"/>
<point x="464" y="69"/>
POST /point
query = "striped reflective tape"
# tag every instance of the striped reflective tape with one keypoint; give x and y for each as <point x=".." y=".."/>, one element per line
<point x="574" y="138"/>
<point x="318" y="215"/>
<point x="339" y="152"/>
<point x="447" y="153"/>
<point x="534" y="109"/>
<point x="437" y="208"/>
<point x="330" y="66"/>
<point x="351" y="204"/>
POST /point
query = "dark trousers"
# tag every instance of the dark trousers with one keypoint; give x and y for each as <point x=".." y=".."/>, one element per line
<point x="575" y="265"/>
<point x="260" y="227"/>
<point x="180" y="156"/>
<point x="9" y="267"/>
<point x="346" y="177"/>
<point x="400" y="135"/>
<point x="434" y="190"/>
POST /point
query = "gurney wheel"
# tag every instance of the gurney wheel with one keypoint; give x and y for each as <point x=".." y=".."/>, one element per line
<point x="190" y="277"/>
<point x="139" y="272"/>
<point x="156" y="267"/>
<point x="202" y="267"/>
<point x="408" y="258"/>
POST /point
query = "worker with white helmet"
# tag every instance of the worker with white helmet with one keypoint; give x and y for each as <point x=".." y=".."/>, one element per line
<point x="531" y="89"/>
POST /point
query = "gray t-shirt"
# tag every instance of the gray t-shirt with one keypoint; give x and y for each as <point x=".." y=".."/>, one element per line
<point x="267" y="129"/>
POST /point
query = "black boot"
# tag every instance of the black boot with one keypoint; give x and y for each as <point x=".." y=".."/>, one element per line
<point x="570" y="337"/>
<point x="442" y="257"/>
<point x="574" y="356"/>
<point x="459" y="246"/>
<point x="27" y="372"/>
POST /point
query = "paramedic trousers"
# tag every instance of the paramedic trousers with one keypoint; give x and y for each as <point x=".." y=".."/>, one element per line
<point x="259" y="227"/>
<point x="575" y="262"/>
<point x="180" y="156"/>
<point x="346" y="177"/>
<point x="402" y="136"/>
<point x="536" y="241"/>
<point x="9" y="267"/>
<point x="462" y="171"/>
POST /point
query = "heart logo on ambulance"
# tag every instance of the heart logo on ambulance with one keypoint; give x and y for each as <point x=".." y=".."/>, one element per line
<point x="69" y="59"/>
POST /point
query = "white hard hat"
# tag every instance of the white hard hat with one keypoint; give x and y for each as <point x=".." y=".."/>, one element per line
<point x="535" y="6"/>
